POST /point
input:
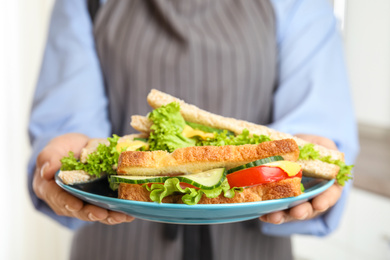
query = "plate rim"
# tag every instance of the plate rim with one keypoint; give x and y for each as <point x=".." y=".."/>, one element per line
<point x="304" y="196"/>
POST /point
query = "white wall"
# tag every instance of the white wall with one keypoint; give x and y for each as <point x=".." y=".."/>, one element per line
<point x="364" y="233"/>
<point x="367" y="39"/>
<point x="25" y="233"/>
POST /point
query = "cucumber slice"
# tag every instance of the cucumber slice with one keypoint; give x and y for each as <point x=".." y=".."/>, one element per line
<point x="207" y="180"/>
<point x="256" y="163"/>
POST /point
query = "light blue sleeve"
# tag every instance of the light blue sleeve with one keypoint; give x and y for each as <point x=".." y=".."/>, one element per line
<point x="313" y="93"/>
<point x="70" y="94"/>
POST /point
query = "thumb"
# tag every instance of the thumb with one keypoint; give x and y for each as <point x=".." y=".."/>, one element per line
<point x="48" y="163"/>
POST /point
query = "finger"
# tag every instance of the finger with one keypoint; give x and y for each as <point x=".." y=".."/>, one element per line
<point x="59" y="200"/>
<point x="91" y="213"/>
<point x="36" y="184"/>
<point x="48" y="163"/>
<point x="62" y="199"/>
<point x="328" y="198"/>
<point x="315" y="139"/>
<point x="277" y="217"/>
<point x="129" y="218"/>
<point x="65" y="204"/>
<point x="117" y="218"/>
<point x="301" y="212"/>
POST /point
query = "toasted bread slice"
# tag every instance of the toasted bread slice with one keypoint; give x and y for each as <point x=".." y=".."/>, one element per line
<point x="75" y="177"/>
<point x="194" y="114"/>
<point x="311" y="168"/>
<point x="274" y="190"/>
<point x="141" y="124"/>
<point x="202" y="158"/>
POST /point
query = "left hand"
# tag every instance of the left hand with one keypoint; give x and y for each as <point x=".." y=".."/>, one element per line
<point x="316" y="206"/>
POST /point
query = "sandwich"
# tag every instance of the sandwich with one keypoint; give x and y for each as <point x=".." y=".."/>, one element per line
<point x="317" y="161"/>
<point x="187" y="155"/>
<point x="211" y="174"/>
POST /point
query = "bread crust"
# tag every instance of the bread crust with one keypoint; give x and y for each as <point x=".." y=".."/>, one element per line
<point x="319" y="169"/>
<point x="201" y="158"/>
<point x="75" y="177"/>
<point x="141" y="123"/>
<point x="269" y="191"/>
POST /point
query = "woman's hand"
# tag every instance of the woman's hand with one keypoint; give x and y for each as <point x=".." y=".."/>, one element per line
<point x="316" y="206"/>
<point x="62" y="203"/>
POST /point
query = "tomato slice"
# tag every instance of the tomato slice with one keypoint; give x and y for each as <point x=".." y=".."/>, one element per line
<point x="184" y="185"/>
<point x="257" y="175"/>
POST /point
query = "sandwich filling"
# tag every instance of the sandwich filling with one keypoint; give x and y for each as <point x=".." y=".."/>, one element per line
<point x="216" y="182"/>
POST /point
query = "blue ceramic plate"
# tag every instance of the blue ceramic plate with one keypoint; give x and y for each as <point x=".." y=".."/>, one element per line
<point x="99" y="194"/>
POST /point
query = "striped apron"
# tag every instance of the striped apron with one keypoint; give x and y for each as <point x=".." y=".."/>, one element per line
<point x="219" y="55"/>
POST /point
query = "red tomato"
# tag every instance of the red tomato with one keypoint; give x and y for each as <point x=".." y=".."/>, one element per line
<point x="184" y="185"/>
<point x="257" y="175"/>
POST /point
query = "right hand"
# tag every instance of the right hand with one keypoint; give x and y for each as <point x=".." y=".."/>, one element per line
<point x="60" y="201"/>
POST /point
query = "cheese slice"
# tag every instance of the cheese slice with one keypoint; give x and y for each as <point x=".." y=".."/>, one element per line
<point x="291" y="168"/>
<point x="131" y="145"/>
<point x="189" y="132"/>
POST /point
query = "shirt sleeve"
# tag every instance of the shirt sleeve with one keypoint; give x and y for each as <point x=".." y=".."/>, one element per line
<point x="313" y="93"/>
<point x="70" y="94"/>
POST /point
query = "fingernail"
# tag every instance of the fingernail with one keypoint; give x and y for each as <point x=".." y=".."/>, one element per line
<point x="70" y="208"/>
<point x="281" y="221"/>
<point x="43" y="169"/>
<point x="111" y="221"/>
<point x="129" y="218"/>
<point x="92" y="217"/>
<point x="322" y="208"/>
<point x="304" y="216"/>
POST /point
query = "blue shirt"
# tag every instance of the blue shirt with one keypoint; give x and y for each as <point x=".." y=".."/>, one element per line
<point x="312" y="96"/>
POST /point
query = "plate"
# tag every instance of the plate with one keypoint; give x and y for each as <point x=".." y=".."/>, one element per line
<point x="99" y="193"/>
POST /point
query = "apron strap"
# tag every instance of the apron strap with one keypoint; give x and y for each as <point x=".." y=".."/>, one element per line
<point x="93" y="7"/>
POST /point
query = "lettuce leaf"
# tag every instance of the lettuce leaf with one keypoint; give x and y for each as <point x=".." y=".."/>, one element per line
<point x="207" y="129"/>
<point x="307" y="152"/>
<point x="225" y="138"/>
<point x="191" y="195"/>
<point x="102" y="160"/>
<point x="302" y="188"/>
<point x="168" y="124"/>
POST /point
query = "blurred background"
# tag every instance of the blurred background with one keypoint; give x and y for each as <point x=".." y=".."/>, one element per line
<point x="365" y="230"/>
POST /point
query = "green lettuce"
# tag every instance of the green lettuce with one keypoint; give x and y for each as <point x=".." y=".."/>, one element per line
<point x="168" y="124"/>
<point x="207" y="129"/>
<point x="191" y="196"/>
<point x="101" y="161"/>
<point x="307" y="152"/>
<point x="302" y="188"/>
<point x="224" y="138"/>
